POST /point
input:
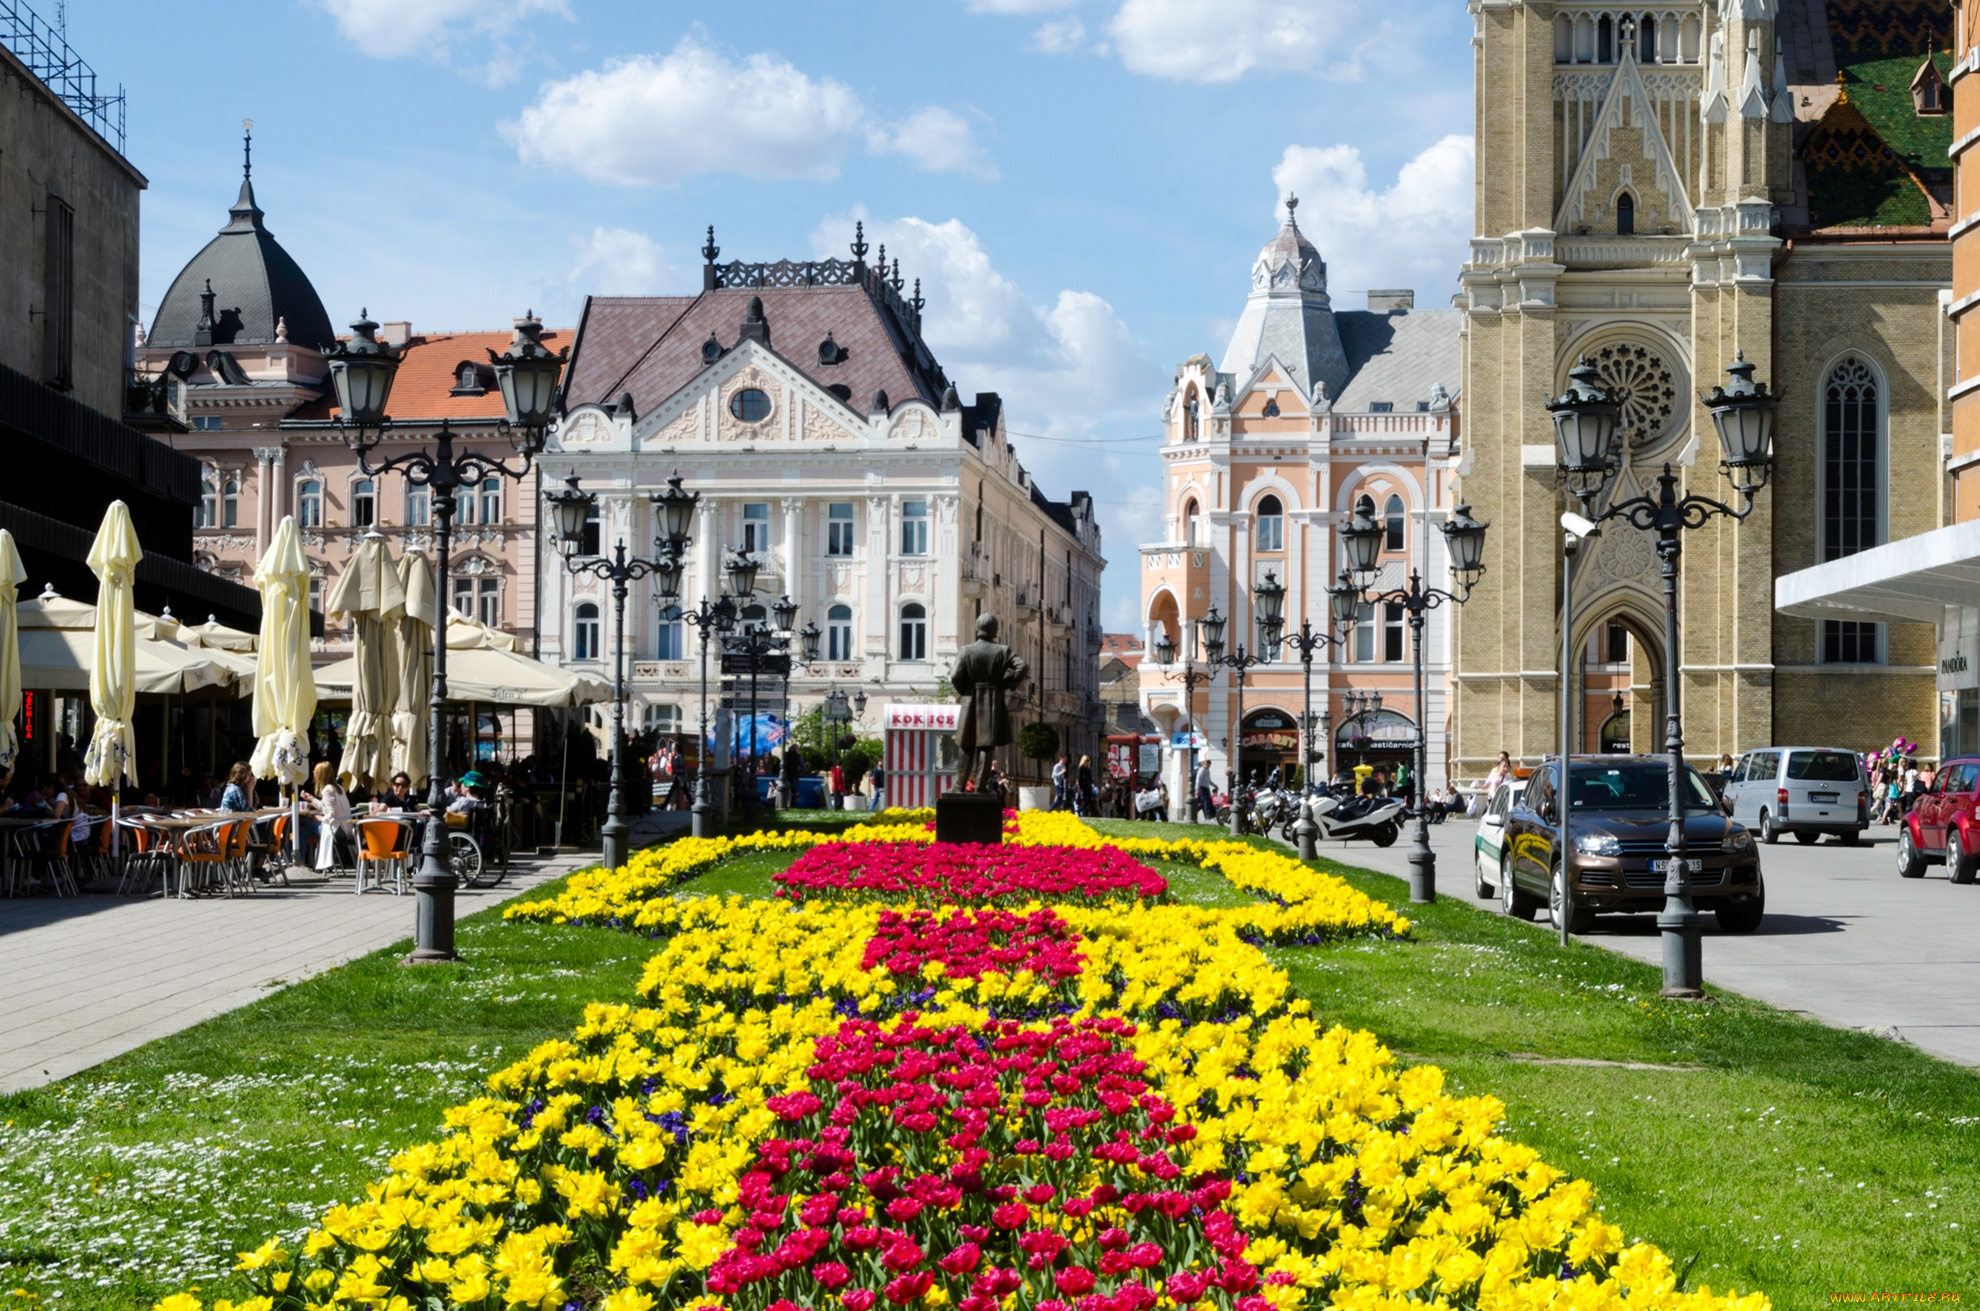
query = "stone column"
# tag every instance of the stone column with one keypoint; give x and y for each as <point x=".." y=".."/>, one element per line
<point x="265" y="518"/>
<point x="794" y="552"/>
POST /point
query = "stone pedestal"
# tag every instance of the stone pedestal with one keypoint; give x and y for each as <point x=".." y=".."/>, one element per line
<point x="969" y="817"/>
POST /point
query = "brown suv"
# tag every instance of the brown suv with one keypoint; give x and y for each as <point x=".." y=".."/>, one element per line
<point x="1619" y="818"/>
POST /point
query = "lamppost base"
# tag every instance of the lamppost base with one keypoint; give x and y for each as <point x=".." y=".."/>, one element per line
<point x="614" y="838"/>
<point x="1305" y="831"/>
<point x="1422" y="875"/>
<point x="433" y="920"/>
<point x="1683" y="954"/>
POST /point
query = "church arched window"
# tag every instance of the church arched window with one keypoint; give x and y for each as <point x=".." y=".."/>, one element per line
<point x="1625" y="215"/>
<point x="1605" y="40"/>
<point x="1271" y="524"/>
<point x="1190" y="523"/>
<point x="1393" y="519"/>
<point x="1852" y="492"/>
<point x="1563" y="40"/>
<point x="1646" y="40"/>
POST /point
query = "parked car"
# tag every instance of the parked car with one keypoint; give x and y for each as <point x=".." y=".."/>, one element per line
<point x="1940" y="827"/>
<point x="1488" y="848"/>
<point x="1806" y="791"/>
<point x="1618" y="820"/>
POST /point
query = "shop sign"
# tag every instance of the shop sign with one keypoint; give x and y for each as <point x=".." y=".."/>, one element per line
<point x="927" y="718"/>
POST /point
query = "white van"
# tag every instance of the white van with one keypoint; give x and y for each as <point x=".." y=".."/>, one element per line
<point x="1806" y="791"/>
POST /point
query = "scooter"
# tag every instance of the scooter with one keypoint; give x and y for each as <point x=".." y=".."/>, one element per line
<point x="1349" y="818"/>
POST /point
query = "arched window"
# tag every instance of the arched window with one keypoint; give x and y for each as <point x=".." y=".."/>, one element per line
<point x="1584" y="40"/>
<point x="584" y="632"/>
<point x="1190" y="525"/>
<point x="1191" y="414"/>
<point x="309" y="504"/>
<point x="839" y="633"/>
<point x="1563" y="40"/>
<point x="1605" y="40"/>
<point x="914" y="631"/>
<point x="1852" y="492"/>
<point x="209" y="505"/>
<point x="1271" y="524"/>
<point x="364" y="503"/>
<point x="1646" y="40"/>
<point x="1393" y="520"/>
<point x="230" y="503"/>
<point x="1688" y="43"/>
<point x="1625" y="215"/>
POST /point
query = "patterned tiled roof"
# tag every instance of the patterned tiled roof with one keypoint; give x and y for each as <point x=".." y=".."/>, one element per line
<point x="424" y="385"/>
<point x="1872" y="159"/>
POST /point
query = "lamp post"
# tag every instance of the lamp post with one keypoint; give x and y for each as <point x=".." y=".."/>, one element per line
<point x="752" y="644"/>
<point x="838" y="709"/>
<point x="1268" y="597"/>
<point x="570" y="507"/>
<point x="1743" y="416"/>
<point x="362" y="370"/>
<point x="1191" y="679"/>
<point x="1343" y="599"/>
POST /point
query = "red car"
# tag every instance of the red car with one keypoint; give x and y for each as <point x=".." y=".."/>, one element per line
<point x="1942" y="826"/>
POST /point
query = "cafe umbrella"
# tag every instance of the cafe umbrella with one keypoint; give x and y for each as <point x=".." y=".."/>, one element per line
<point x="113" y="558"/>
<point x="284" y="687"/>
<point x="412" y="653"/>
<point x="369" y="592"/>
<point x="12" y="574"/>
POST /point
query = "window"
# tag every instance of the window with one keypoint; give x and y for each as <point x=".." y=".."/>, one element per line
<point x="839" y="633"/>
<point x="671" y="644"/>
<point x="664" y="720"/>
<point x="584" y="632"/>
<point x="1190" y="413"/>
<point x="1605" y="44"/>
<point x="207" y="423"/>
<point x="1615" y="642"/>
<point x="316" y="592"/>
<point x="479" y="598"/>
<point x="230" y="503"/>
<point x="1625" y="215"/>
<point x="1271" y="410"/>
<point x="751" y="405"/>
<point x="479" y="502"/>
<point x="1271" y="525"/>
<point x="364" y="503"/>
<point x="1364" y="633"/>
<point x="1646" y="41"/>
<point x="914" y="631"/>
<point x="491" y="500"/>
<point x="309" y="504"/>
<point x="1852" y="490"/>
<point x="756" y="526"/>
<point x="1393" y="521"/>
<point x="839" y="528"/>
<point x="1381" y="407"/>
<point x="1190" y="524"/>
<point x="58" y="297"/>
<point x="416" y="505"/>
<point x="593" y="531"/>
<point x="208" y="514"/>
<point x="1392" y="631"/>
<point x="914" y="529"/>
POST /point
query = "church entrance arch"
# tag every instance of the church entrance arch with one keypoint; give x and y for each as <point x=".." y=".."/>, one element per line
<point x="1619" y="680"/>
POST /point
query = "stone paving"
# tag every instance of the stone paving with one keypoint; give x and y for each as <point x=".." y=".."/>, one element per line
<point x="86" y="978"/>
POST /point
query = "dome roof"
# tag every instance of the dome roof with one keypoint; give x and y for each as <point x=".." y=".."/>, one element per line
<point x="1289" y="262"/>
<point x="254" y="286"/>
<point x="1288" y="318"/>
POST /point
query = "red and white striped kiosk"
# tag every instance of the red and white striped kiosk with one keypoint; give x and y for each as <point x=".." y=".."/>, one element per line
<point x="921" y="755"/>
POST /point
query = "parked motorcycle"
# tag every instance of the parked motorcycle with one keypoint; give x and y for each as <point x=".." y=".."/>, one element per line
<point x="1342" y="817"/>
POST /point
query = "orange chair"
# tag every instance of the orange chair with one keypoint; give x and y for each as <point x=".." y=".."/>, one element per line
<point x="51" y="852"/>
<point x="203" y="853"/>
<point x="385" y="846"/>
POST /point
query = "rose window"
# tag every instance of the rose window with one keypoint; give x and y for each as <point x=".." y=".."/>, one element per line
<point x="1643" y="385"/>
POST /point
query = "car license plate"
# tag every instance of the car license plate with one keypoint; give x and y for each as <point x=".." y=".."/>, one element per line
<point x="1692" y="865"/>
<point x="1824" y="798"/>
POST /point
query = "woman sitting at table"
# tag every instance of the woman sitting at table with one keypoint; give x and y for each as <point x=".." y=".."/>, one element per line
<point x="240" y="779"/>
<point x="332" y="820"/>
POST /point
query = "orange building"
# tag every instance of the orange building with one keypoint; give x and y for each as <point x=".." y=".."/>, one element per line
<point x="1311" y="413"/>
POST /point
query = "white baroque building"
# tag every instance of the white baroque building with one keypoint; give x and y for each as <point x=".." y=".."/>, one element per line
<point x="800" y="401"/>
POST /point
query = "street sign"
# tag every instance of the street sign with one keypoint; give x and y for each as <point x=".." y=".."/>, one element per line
<point x="771" y="664"/>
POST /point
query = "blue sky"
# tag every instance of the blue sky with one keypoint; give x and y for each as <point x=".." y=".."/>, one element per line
<point x="1081" y="184"/>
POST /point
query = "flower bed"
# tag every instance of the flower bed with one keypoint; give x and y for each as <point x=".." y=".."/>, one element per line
<point x="963" y="874"/>
<point x="833" y="1106"/>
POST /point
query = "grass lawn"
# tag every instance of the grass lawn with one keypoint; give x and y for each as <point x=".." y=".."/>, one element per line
<point x="1771" y="1152"/>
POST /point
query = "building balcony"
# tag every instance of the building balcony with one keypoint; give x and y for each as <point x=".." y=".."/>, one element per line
<point x="974" y="570"/>
<point x="1025" y="597"/>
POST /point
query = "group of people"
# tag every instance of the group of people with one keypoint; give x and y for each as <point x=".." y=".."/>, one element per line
<point x="1072" y="787"/>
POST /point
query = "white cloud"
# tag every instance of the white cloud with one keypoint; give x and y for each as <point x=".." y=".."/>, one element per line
<point x="1221" y="40"/>
<point x="439" y="29"/>
<point x="1059" y="37"/>
<point x="939" y="140"/>
<point x="1412" y="234"/>
<point x="621" y="262"/>
<point x="647" y="121"/>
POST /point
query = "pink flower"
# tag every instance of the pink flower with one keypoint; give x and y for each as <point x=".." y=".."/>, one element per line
<point x="962" y="1260"/>
<point x="830" y="1274"/>
<point x="859" y="1299"/>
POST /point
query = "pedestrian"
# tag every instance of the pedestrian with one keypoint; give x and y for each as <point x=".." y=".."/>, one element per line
<point x="1059" y="768"/>
<point x="879" y="778"/>
<point x="1502" y="774"/>
<point x="1912" y="788"/>
<point x="1162" y="808"/>
<point x="837" y="799"/>
<point x="1206" y="793"/>
<point x="1406" y="784"/>
<point x="1083" y="803"/>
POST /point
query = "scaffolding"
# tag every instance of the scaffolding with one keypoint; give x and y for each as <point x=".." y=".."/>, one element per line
<point x="46" y="52"/>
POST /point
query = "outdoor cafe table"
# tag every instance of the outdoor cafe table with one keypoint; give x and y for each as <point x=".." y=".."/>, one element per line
<point x="7" y="848"/>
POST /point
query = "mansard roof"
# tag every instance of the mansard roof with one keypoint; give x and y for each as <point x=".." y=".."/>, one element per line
<point x="1287" y="316"/>
<point x="255" y="285"/>
<point x="1400" y="357"/>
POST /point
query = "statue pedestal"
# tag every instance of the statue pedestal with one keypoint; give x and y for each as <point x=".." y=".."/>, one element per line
<point x="969" y="817"/>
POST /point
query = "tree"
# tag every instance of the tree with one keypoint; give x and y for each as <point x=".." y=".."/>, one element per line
<point x="1038" y="741"/>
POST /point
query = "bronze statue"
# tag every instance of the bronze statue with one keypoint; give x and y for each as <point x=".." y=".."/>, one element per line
<point x="986" y="672"/>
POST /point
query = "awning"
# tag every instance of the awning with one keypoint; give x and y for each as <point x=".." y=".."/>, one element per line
<point x="1909" y="581"/>
<point x="482" y="668"/>
<point x="58" y="646"/>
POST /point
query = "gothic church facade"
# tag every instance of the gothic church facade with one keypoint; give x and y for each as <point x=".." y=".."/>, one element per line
<point x="1659" y="189"/>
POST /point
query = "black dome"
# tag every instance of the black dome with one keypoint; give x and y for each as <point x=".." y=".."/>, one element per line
<point x="255" y="284"/>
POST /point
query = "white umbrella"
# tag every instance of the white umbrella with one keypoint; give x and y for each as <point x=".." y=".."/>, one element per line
<point x="113" y="558"/>
<point x="12" y="575"/>
<point x="284" y="689"/>
<point x="412" y="650"/>
<point x="58" y="650"/>
<point x="370" y="593"/>
<point x="483" y="667"/>
<point x="215" y="635"/>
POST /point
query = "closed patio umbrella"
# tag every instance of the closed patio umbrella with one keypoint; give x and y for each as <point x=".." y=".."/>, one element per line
<point x="12" y="574"/>
<point x="413" y="654"/>
<point x="112" y="753"/>
<point x="284" y="688"/>
<point x="370" y="593"/>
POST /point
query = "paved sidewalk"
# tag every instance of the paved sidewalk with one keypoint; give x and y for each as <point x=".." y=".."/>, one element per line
<point x="86" y="978"/>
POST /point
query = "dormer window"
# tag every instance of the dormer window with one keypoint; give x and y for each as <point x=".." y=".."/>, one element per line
<point x="471" y="379"/>
<point x="1930" y="96"/>
<point x="1381" y="407"/>
<point x="830" y="352"/>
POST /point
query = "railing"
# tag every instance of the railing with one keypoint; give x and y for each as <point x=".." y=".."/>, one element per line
<point x="47" y="55"/>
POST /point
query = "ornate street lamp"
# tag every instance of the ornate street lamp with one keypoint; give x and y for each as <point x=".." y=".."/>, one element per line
<point x="1362" y="541"/>
<point x="1191" y="678"/>
<point x="1743" y="416"/>
<point x="361" y="374"/>
<point x="1584" y="418"/>
<point x="1307" y="641"/>
<point x="753" y="643"/>
<point x="1464" y="543"/>
<point x="1267" y="598"/>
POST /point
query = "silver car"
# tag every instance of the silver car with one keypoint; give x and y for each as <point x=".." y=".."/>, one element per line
<point x="1806" y="791"/>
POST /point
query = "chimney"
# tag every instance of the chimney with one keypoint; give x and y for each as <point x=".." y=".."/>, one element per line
<point x="398" y="334"/>
<point x="1392" y="300"/>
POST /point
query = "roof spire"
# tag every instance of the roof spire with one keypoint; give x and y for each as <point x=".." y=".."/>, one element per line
<point x="247" y="147"/>
<point x="709" y="250"/>
<point x="245" y="216"/>
<point x="859" y="246"/>
<point x="1292" y="204"/>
